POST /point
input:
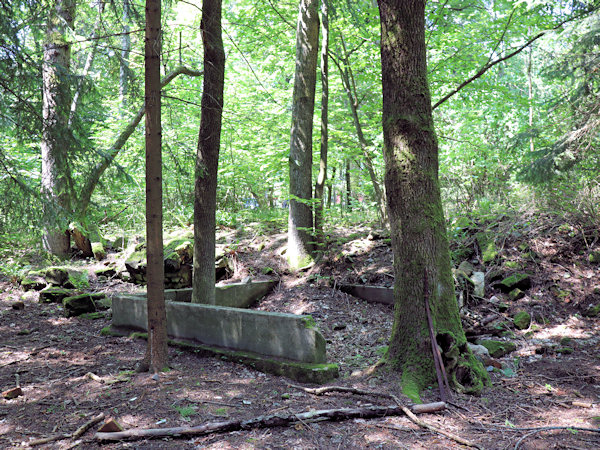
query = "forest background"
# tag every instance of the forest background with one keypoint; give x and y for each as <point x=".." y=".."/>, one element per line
<point x="514" y="89"/>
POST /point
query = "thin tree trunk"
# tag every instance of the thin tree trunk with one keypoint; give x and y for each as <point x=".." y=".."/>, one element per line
<point x="88" y="64"/>
<point x="300" y="222"/>
<point x="55" y="142"/>
<point x="350" y="88"/>
<point x="207" y="158"/>
<point x="418" y="232"/>
<point x="96" y="173"/>
<point x="348" y="186"/>
<point x="156" y="353"/>
<point x="124" y="61"/>
<point x="530" y="96"/>
<point x="322" y="176"/>
<point x="329" y="188"/>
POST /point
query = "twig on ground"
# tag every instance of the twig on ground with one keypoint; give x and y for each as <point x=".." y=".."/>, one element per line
<point x="76" y="434"/>
<point x="410" y="414"/>
<point x="540" y="429"/>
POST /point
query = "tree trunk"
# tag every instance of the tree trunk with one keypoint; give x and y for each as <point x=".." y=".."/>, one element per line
<point x="350" y="88"/>
<point x="124" y="61"/>
<point x="156" y="353"/>
<point x="300" y="222"/>
<point x="55" y="141"/>
<point x="348" y="186"/>
<point x="207" y="158"/>
<point x="88" y="64"/>
<point x="322" y="176"/>
<point x="329" y="188"/>
<point x="417" y="223"/>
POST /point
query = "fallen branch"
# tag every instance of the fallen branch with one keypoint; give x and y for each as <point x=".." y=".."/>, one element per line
<point x="76" y="434"/>
<point x="410" y="414"/>
<point x="268" y="421"/>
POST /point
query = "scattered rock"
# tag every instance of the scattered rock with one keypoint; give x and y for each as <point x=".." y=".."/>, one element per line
<point x="592" y="310"/>
<point x="478" y="279"/>
<point x="516" y="294"/>
<point x="107" y="272"/>
<point x="465" y="269"/>
<point x="18" y="305"/>
<point x="81" y="304"/>
<point x="33" y="281"/>
<point x="498" y="349"/>
<point x="57" y="276"/>
<point x="110" y="425"/>
<point x="479" y="351"/>
<point x="487" y="246"/>
<point x="12" y="393"/>
<point x="53" y="294"/>
<point x="516" y="281"/>
<point x="594" y="257"/>
<point x="522" y="320"/>
<point x="98" y="251"/>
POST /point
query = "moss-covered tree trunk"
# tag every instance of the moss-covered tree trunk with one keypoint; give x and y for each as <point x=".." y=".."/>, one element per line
<point x="417" y="223"/>
<point x="55" y="136"/>
<point x="207" y="157"/>
<point x="300" y="221"/>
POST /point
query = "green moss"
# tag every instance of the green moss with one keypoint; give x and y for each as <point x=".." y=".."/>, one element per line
<point x="93" y="316"/>
<point x="522" y="320"/>
<point x="565" y="350"/>
<point x="411" y="387"/>
<point x="498" y="349"/>
<point x="98" y="250"/>
<point x="309" y="322"/>
<point x="592" y="311"/>
<point x="78" y="279"/>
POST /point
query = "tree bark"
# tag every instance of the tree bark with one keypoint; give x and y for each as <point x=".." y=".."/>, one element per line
<point x="55" y="142"/>
<point x="207" y="158"/>
<point x="322" y="176"/>
<point x="348" y="186"/>
<point x="300" y="221"/>
<point x="156" y="353"/>
<point x="419" y="241"/>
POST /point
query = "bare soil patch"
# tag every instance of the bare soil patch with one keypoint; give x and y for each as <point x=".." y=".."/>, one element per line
<point x="537" y="386"/>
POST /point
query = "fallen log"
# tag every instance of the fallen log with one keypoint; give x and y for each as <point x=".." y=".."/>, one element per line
<point x="267" y="421"/>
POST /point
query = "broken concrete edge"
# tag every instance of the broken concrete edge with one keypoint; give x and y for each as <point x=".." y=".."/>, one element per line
<point x="372" y="294"/>
<point x="233" y="295"/>
<point x="301" y="372"/>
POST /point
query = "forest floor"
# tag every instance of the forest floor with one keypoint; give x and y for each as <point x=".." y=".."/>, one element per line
<point x="69" y="373"/>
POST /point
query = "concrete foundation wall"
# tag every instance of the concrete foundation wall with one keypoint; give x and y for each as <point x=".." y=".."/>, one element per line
<point x="271" y="334"/>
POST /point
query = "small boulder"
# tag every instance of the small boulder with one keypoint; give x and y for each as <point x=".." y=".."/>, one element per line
<point x="98" y="251"/>
<point x="517" y="280"/>
<point x="594" y="257"/>
<point x="592" y="310"/>
<point x="522" y="320"/>
<point x="57" y="276"/>
<point x="516" y="294"/>
<point x="479" y="351"/>
<point x="12" y="393"/>
<point x="18" y="305"/>
<point x="107" y="272"/>
<point x="478" y="279"/>
<point x="33" y="281"/>
<point x="81" y="304"/>
<point x="110" y="425"/>
<point x="54" y="294"/>
<point x="498" y="349"/>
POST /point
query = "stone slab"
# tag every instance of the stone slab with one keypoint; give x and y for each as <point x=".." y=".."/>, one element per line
<point x="297" y="371"/>
<point x="267" y="333"/>
<point x="235" y="295"/>
<point x="373" y="294"/>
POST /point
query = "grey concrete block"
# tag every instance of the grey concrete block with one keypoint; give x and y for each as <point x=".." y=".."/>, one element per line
<point x="372" y="294"/>
<point x="235" y="295"/>
<point x="266" y="333"/>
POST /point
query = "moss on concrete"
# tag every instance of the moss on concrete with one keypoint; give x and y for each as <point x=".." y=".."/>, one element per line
<point x="301" y="372"/>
